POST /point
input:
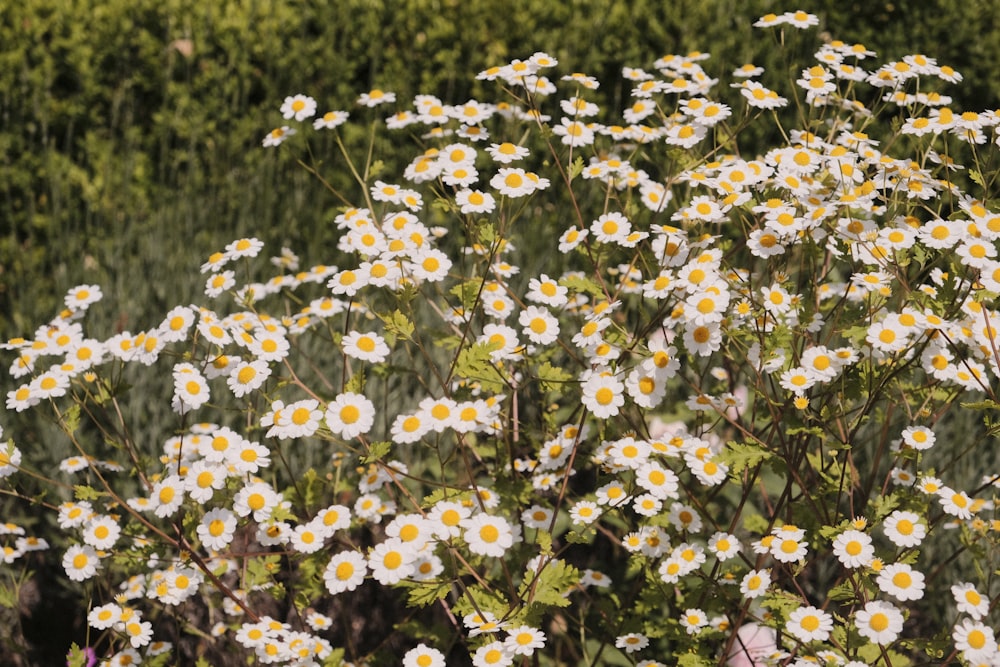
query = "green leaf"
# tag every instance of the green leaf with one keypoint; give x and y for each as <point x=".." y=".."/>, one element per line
<point x="474" y="363"/>
<point x="814" y="431"/>
<point x="161" y="660"/>
<point x="424" y="595"/>
<point x="553" y="584"/>
<point x="76" y="657"/>
<point x="71" y="419"/>
<point x="8" y="596"/>
<point x="446" y="342"/>
<point x="311" y="485"/>
<point x="981" y="405"/>
<point x="487" y="234"/>
<point x="356" y="384"/>
<point x="335" y="659"/>
<point x="445" y="493"/>
<point x="484" y="601"/>
<point x="576" y="168"/>
<point x="84" y="492"/>
<point x="467" y="292"/>
<point x="841" y="592"/>
<point x="585" y="536"/>
<point x="883" y="506"/>
<point x="544" y="539"/>
<point x="398" y="324"/>
<point x="740" y="456"/>
<point x="755" y="523"/>
<point x="694" y="660"/>
<point x="376" y="451"/>
<point x="551" y="377"/>
<point x="106" y="393"/>
<point x="828" y="532"/>
<point x="582" y="284"/>
<point x="407" y="294"/>
<point x="261" y="570"/>
<point x="781" y="603"/>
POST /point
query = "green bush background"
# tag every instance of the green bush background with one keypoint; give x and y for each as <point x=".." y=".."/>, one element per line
<point x="131" y="130"/>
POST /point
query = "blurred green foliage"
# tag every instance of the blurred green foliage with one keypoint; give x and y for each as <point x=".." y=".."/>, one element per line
<point x="131" y="130"/>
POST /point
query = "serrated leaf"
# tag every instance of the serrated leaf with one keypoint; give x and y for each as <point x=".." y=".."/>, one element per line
<point x="105" y="394"/>
<point x="376" y="451"/>
<point x="740" y="456"/>
<point x="981" y="405"/>
<point x="407" y="294"/>
<point x="261" y="570"/>
<point x="576" y="168"/>
<point x="814" y="431"/>
<point x="487" y="234"/>
<point x="356" y="385"/>
<point x="283" y="511"/>
<point x="8" y="597"/>
<point x="71" y="418"/>
<point x="581" y="284"/>
<point x="755" y="523"/>
<point x="311" y="487"/>
<point x="553" y="584"/>
<point x="693" y="660"/>
<point x="830" y="532"/>
<point x="842" y="592"/>
<point x="84" y="492"/>
<point x="398" y="324"/>
<point x="77" y="657"/>
<point x="883" y="506"/>
<point x="474" y="363"/>
<point x="551" y="377"/>
<point x="467" y="292"/>
<point x="335" y="659"/>
<point x="781" y="603"/>
<point x="446" y="342"/>
<point x="544" y="540"/>
<point x="484" y="601"/>
<point x="443" y="205"/>
<point x="161" y="660"/>
<point x="424" y="595"/>
<point x="445" y="493"/>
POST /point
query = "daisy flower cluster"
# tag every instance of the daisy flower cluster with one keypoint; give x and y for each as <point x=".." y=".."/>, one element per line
<point x="580" y="380"/>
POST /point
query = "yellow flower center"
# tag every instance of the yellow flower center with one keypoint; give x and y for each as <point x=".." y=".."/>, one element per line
<point x="392" y="560"/>
<point x="344" y="571"/>
<point x="879" y="622"/>
<point x="604" y="396"/>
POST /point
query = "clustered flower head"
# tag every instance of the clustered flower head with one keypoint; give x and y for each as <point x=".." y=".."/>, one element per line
<point x="718" y="381"/>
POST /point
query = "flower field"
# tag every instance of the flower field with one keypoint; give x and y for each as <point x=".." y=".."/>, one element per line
<point x="576" y="386"/>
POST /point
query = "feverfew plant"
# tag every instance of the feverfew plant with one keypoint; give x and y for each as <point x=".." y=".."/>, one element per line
<point x="582" y="390"/>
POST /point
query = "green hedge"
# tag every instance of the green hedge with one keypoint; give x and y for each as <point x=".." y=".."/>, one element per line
<point x="131" y="129"/>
